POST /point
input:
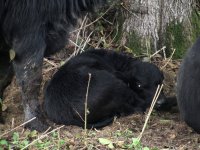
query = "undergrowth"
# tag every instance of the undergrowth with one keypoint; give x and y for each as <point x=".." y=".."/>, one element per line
<point x="57" y="140"/>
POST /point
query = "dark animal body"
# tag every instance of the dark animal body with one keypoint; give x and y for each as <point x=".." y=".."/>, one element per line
<point x="119" y="85"/>
<point x="34" y="29"/>
<point x="188" y="87"/>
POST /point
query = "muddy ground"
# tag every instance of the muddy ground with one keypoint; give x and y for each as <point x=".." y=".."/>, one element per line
<point x="165" y="130"/>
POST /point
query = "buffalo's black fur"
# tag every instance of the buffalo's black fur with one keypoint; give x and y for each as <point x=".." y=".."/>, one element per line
<point x="33" y="29"/>
<point x="188" y="87"/>
<point x="120" y="85"/>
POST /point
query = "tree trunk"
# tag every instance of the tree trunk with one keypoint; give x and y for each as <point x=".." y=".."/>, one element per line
<point x="152" y="24"/>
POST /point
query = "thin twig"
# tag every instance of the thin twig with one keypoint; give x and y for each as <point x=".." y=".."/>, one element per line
<point x="78" y="114"/>
<point x="129" y="11"/>
<point x="49" y="69"/>
<point x="18" y="126"/>
<point x="77" y="36"/>
<point x="86" y="108"/>
<point x="50" y="62"/>
<point x="162" y="49"/>
<point x="87" y="41"/>
<point x="41" y="137"/>
<point x="80" y="48"/>
<point x="159" y="88"/>
<point x="170" y="58"/>
<point x="95" y="19"/>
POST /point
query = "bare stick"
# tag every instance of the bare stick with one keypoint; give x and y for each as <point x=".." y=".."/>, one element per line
<point x="169" y="59"/>
<point x="80" y="48"/>
<point x="51" y="63"/>
<point x="18" y="127"/>
<point x="158" y="51"/>
<point x="159" y="88"/>
<point x="41" y="137"/>
<point x="86" y="107"/>
<point x="77" y="36"/>
<point x="95" y="20"/>
<point x="87" y="41"/>
<point x="78" y="114"/>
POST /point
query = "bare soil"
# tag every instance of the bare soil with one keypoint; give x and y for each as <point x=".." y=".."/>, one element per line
<point x="165" y="130"/>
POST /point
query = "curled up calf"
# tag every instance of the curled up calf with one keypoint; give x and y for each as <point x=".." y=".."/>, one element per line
<point x="119" y="85"/>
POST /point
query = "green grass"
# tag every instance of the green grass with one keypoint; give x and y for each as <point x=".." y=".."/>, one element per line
<point x="120" y="139"/>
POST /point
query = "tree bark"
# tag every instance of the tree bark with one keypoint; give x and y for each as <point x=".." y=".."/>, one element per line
<point x="149" y="20"/>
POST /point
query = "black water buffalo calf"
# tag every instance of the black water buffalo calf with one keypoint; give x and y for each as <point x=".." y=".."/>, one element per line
<point x="34" y="29"/>
<point x="120" y="85"/>
<point x="188" y="87"/>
